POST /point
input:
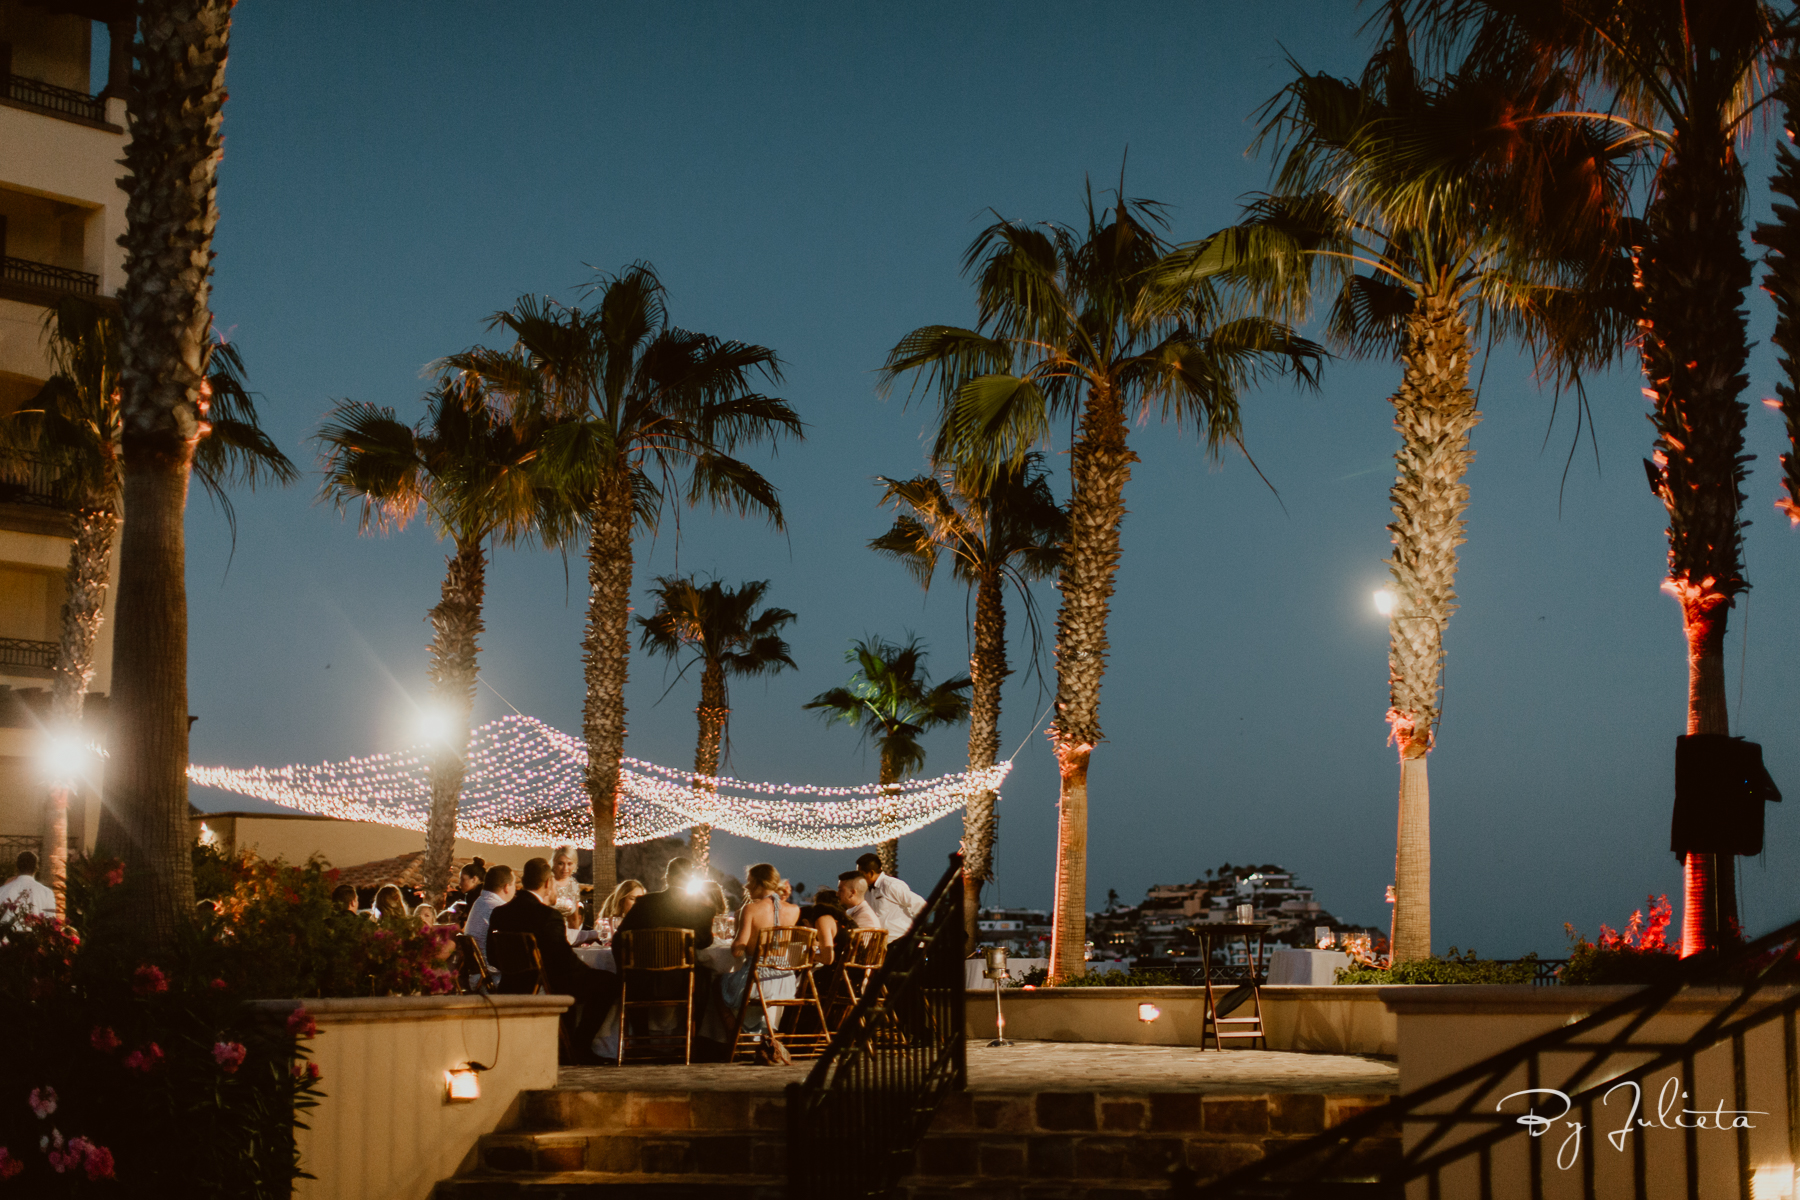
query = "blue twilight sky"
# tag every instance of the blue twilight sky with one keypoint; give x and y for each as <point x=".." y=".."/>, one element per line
<point x="806" y="177"/>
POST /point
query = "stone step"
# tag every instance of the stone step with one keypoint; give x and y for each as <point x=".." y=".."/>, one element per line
<point x="604" y="1185"/>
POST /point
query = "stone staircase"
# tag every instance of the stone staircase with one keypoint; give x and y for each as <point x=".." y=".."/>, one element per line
<point x="1004" y="1145"/>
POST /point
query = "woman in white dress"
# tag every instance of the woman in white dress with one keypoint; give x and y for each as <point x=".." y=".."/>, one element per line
<point x="763" y="909"/>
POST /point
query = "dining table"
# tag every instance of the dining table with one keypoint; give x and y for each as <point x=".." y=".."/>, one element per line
<point x="716" y="958"/>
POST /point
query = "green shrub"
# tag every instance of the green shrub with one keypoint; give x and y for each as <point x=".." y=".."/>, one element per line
<point x="1037" y="976"/>
<point x="1453" y="968"/>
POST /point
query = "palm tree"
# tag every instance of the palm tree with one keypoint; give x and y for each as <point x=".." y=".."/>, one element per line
<point x="995" y="530"/>
<point x="1686" y="81"/>
<point x="632" y="403"/>
<point x="1070" y="324"/>
<point x="1781" y="238"/>
<point x="469" y="469"/>
<point x="892" y="700"/>
<point x="722" y="630"/>
<point x="1403" y="198"/>
<point x="171" y="163"/>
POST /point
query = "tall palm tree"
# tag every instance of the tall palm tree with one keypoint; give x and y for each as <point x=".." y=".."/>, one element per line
<point x="1781" y="239"/>
<point x="469" y="469"/>
<point x="892" y="700"/>
<point x="995" y="529"/>
<point x="1068" y="327"/>
<point x="1402" y="199"/>
<point x="721" y="629"/>
<point x="71" y="429"/>
<point x="634" y="403"/>
<point x="1686" y="80"/>
<point x="171" y="163"/>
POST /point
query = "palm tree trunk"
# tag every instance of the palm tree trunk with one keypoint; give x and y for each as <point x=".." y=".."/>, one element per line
<point x="1099" y="467"/>
<point x="1693" y="275"/>
<point x="171" y="160"/>
<point x="83" y="610"/>
<point x="606" y="656"/>
<point x="455" y="623"/>
<point x="1434" y="412"/>
<point x="713" y="714"/>
<point x="987" y="670"/>
<point x="889" y="848"/>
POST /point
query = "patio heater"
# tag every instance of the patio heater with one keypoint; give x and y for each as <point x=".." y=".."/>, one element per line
<point x="996" y="971"/>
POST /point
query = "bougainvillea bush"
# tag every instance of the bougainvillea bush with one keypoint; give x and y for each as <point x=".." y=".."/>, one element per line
<point x="132" y="1075"/>
<point x="1641" y="954"/>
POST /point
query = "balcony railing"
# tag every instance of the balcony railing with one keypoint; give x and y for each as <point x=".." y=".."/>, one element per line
<point x="18" y="652"/>
<point x="60" y="101"/>
<point x="44" y="277"/>
<point x="32" y="481"/>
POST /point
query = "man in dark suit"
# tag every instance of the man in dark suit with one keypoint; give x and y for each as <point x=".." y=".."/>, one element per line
<point x="532" y="911"/>
<point x="675" y="907"/>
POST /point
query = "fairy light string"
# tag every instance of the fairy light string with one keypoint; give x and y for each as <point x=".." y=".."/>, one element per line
<point x="524" y="787"/>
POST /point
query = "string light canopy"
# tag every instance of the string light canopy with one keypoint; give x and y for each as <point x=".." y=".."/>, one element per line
<point x="524" y="787"/>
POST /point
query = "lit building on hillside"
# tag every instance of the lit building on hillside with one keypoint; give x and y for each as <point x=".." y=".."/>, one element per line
<point x="61" y="216"/>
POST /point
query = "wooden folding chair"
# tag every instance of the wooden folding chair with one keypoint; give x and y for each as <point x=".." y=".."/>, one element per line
<point x="656" y="958"/>
<point x="521" y="966"/>
<point x="864" y="955"/>
<point x="474" y="965"/>
<point x="782" y="950"/>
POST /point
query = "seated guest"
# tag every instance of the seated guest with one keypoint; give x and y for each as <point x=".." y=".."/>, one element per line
<point x="894" y="902"/>
<point x="826" y="914"/>
<point x="715" y="892"/>
<point x="675" y="907"/>
<point x="389" y="902"/>
<point x="623" y="897"/>
<point x="344" y="896"/>
<point x="23" y="894"/>
<point x="533" y="911"/>
<point x="425" y="915"/>
<point x="468" y="887"/>
<point x="763" y="909"/>
<point x="853" y="894"/>
<point x="497" y="889"/>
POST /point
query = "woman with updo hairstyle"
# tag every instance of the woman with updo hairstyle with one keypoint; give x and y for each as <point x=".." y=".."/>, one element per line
<point x="763" y="909"/>
<point x="622" y="898"/>
<point x="389" y="902"/>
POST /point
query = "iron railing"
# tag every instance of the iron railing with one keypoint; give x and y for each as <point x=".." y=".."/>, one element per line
<point x="1545" y="972"/>
<point x="854" y="1124"/>
<point x="59" y="101"/>
<point x="46" y="277"/>
<point x="1583" y="1061"/>
<point x="18" y="652"/>
<point x="33" y="481"/>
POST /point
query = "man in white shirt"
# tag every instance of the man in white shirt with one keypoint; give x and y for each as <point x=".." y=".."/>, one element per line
<point x="496" y="890"/>
<point x="894" y="903"/>
<point x="853" y="894"/>
<point x="24" y="894"/>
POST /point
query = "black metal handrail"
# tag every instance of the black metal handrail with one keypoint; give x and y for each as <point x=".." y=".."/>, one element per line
<point x="61" y="101"/>
<point x="48" y="277"/>
<point x="25" y="479"/>
<point x="854" y="1124"/>
<point x="1565" y="1060"/>
<point x="19" y="652"/>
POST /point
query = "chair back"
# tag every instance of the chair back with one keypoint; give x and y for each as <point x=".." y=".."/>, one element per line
<point x="654" y="949"/>
<point x="516" y="957"/>
<point x="474" y="963"/>
<point x="867" y="948"/>
<point x="785" y="948"/>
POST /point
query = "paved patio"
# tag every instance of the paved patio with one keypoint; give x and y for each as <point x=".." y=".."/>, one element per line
<point x="1053" y="1067"/>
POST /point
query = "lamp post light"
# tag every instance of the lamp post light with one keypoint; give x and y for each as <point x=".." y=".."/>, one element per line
<point x="996" y="971"/>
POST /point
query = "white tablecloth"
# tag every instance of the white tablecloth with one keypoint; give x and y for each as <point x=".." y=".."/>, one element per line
<point x="1308" y="968"/>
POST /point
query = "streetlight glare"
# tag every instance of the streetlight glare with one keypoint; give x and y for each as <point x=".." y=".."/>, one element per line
<point x="1385" y="600"/>
<point x="434" y="724"/>
<point x="64" y="756"/>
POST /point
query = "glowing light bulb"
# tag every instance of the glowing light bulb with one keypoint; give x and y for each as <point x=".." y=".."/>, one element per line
<point x="435" y="725"/>
<point x="63" y="757"/>
<point x="1148" y="1013"/>
<point x="1385" y="601"/>
<point x="462" y="1084"/>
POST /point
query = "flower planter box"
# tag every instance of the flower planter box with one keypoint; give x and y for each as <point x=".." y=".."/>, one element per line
<point x="1317" y="1020"/>
<point x="385" y="1130"/>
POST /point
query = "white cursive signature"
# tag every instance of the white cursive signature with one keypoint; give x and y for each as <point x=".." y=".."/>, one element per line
<point x="1567" y="1154"/>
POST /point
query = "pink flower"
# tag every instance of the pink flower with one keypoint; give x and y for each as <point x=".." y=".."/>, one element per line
<point x="229" y="1055"/>
<point x="144" y="1060"/>
<point x="9" y="1166"/>
<point x="218" y="985"/>
<point x="43" y="1101"/>
<point x="104" y="1039"/>
<point x="147" y="980"/>
<point x="306" y="1072"/>
<point x="116" y="876"/>
<point x="97" y="1161"/>
<point x="300" y="1023"/>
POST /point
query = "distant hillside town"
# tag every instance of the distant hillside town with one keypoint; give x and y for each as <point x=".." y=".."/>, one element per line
<point x="1160" y="930"/>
